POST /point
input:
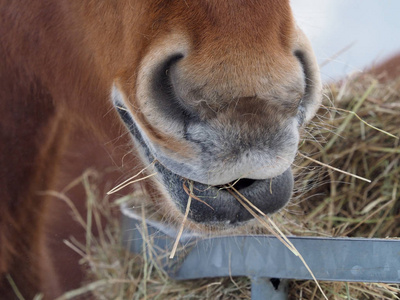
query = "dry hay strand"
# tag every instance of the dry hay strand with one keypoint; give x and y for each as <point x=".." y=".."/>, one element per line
<point x="358" y="134"/>
<point x="178" y="237"/>
<point x="325" y="203"/>
<point x="338" y="204"/>
<point x="115" y="273"/>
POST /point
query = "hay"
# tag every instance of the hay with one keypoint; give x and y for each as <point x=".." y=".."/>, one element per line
<point x="326" y="203"/>
<point x="330" y="203"/>
<point x="337" y="204"/>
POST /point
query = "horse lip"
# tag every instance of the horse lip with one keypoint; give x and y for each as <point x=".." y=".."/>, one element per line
<point x="216" y="206"/>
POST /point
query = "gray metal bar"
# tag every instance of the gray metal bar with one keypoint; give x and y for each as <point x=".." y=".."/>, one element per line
<point x="264" y="256"/>
<point x="332" y="259"/>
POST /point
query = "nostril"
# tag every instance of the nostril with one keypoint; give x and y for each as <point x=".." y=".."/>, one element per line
<point x="301" y="56"/>
<point x="162" y="77"/>
<point x="308" y="82"/>
<point x="163" y="89"/>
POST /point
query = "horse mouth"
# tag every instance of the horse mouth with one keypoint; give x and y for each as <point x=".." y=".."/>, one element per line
<point x="215" y="205"/>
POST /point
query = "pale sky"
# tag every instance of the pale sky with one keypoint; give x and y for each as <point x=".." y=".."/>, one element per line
<point x="368" y="29"/>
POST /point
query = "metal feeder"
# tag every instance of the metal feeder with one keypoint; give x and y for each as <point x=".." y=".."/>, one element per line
<point x="264" y="259"/>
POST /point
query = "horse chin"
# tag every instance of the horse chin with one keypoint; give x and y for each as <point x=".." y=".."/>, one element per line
<point x="213" y="206"/>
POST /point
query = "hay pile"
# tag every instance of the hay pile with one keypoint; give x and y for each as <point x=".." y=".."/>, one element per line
<point x="337" y="204"/>
<point x="326" y="203"/>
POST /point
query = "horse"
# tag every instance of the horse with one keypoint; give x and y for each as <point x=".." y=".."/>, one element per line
<point x="205" y="93"/>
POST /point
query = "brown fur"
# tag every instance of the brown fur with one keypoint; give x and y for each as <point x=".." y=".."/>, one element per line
<point x="51" y="87"/>
<point x="58" y="61"/>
